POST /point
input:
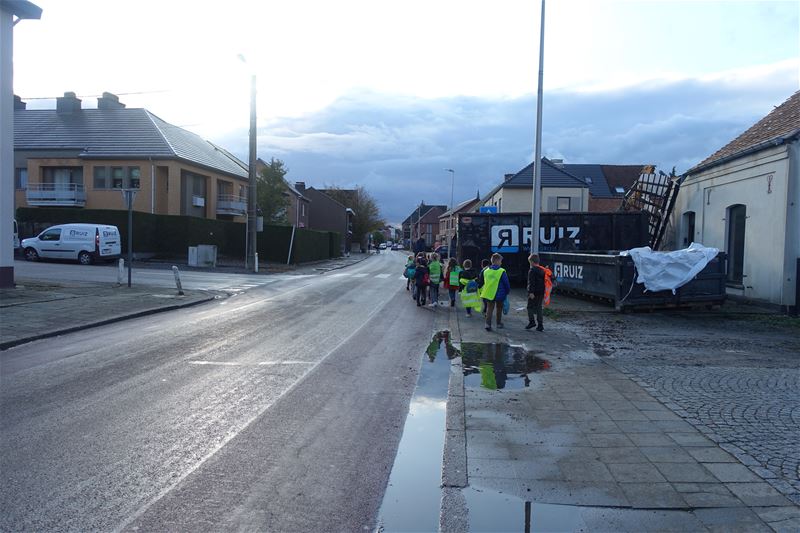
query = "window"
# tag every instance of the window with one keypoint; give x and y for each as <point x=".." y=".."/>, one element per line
<point x="737" y="215"/>
<point x="51" y="235"/>
<point x="21" y="178"/>
<point x="117" y="177"/>
<point x="101" y="177"/>
<point x="589" y="180"/>
<point x="62" y="176"/>
<point x="619" y="189"/>
<point x="133" y="177"/>
<point x="302" y="209"/>
<point x="688" y="228"/>
<point x="562" y="203"/>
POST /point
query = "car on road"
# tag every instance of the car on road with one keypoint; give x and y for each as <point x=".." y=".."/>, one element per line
<point x="382" y="246"/>
<point x="85" y="243"/>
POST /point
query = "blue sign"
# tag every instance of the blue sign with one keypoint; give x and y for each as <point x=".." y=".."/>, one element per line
<point x="488" y="209"/>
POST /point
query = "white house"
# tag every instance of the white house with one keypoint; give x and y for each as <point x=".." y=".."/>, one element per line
<point x="561" y="191"/>
<point x="745" y="200"/>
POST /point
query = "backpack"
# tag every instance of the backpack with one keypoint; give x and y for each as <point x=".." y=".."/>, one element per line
<point x="548" y="284"/>
<point x="426" y="279"/>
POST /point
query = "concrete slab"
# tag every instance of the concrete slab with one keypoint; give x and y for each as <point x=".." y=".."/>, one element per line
<point x="757" y="494"/>
<point x="653" y="495"/>
<point x="730" y="520"/>
<point x="636" y="473"/>
<point x="666" y="454"/>
<point x="732" y="472"/>
<point x="711" y="454"/>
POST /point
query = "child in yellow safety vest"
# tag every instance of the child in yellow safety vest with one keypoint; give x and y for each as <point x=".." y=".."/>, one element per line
<point x="451" y="279"/>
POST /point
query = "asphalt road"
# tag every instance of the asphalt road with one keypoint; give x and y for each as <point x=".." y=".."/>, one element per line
<point x="155" y="277"/>
<point x="279" y="409"/>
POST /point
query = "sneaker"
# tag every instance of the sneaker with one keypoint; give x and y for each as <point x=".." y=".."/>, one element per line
<point x="452" y="304"/>
<point x="500" y="325"/>
<point x="419" y="304"/>
<point x="540" y="328"/>
<point x="530" y="325"/>
<point x="488" y="327"/>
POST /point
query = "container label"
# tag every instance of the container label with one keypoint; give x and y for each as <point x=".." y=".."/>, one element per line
<point x="505" y="239"/>
<point x="565" y="271"/>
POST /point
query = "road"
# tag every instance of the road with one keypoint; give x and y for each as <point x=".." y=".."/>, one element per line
<point x="155" y="277"/>
<point x="277" y="410"/>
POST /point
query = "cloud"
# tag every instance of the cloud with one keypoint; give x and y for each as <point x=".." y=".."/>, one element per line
<point x="398" y="146"/>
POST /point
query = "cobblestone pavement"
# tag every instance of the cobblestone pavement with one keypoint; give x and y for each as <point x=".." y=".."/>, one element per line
<point x="734" y="377"/>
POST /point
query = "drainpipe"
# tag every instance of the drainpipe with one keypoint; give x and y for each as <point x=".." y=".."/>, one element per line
<point x="152" y="187"/>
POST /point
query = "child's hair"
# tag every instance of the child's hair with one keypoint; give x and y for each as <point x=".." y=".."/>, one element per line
<point x="434" y="256"/>
<point x="411" y="258"/>
<point x="485" y="263"/>
<point x="467" y="263"/>
<point x="451" y="262"/>
<point x="497" y="259"/>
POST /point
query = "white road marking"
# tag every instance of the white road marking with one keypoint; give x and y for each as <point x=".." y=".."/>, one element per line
<point x="261" y="363"/>
<point x="383" y="276"/>
<point x="361" y="275"/>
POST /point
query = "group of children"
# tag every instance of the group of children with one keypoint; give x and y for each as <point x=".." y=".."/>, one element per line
<point x="486" y="290"/>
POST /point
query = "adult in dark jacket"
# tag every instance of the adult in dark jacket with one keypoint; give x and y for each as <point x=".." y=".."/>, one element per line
<point x="535" y="293"/>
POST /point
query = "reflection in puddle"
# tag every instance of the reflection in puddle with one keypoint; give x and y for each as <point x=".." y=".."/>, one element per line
<point x="413" y="496"/>
<point x="497" y="366"/>
<point x="494" y="511"/>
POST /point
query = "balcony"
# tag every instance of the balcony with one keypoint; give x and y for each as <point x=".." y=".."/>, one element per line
<point x="230" y="204"/>
<point x="55" y="194"/>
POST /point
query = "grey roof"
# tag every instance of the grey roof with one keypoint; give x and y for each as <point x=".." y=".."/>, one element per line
<point x="598" y="187"/>
<point x="118" y="133"/>
<point x="552" y="176"/>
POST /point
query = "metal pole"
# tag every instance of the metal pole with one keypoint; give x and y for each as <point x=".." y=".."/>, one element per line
<point x="537" y="161"/>
<point x="251" y="193"/>
<point x="129" y="198"/>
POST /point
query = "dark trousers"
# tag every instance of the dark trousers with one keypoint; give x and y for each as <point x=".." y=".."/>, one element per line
<point x="421" y="294"/>
<point x="535" y="309"/>
<point x="452" y="296"/>
<point x="492" y="307"/>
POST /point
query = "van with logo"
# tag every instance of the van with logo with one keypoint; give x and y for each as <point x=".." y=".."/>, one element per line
<point x="85" y="243"/>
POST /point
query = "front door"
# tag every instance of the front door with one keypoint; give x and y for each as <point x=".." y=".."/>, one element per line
<point x="50" y="245"/>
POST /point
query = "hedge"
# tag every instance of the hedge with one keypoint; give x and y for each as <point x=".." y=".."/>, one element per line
<point x="172" y="235"/>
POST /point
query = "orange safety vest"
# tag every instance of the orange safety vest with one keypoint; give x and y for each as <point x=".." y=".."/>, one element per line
<point x="548" y="284"/>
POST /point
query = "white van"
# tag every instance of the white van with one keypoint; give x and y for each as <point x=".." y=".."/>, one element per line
<point x="16" y="236"/>
<point x="82" y="242"/>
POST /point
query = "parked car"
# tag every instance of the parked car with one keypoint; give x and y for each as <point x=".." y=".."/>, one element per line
<point x="382" y="246"/>
<point x="85" y="243"/>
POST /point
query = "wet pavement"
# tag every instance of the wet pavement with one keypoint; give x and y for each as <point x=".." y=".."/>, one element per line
<point x="574" y="443"/>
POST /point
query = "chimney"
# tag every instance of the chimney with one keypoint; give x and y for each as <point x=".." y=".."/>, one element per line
<point x="69" y="103"/>
<point x="300" y="186"/>
<point x="557" y="163"/>
<point x="507" y="177"/>
<point x="109" y="101"/>
<point x="18" y="103"/>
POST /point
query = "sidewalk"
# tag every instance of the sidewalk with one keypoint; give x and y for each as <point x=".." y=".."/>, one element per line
<point x="36" y="310"/>
<point x="583" y="447"/>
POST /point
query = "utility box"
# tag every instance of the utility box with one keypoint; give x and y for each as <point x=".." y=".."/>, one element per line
<point x="203" y="255"/>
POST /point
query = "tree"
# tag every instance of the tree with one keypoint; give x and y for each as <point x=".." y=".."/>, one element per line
<point x="271" y="192"/>
<point x="367" y="215"/>
<point x="378" y="237"/>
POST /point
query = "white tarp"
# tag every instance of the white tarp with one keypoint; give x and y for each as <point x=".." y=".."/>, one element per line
<point x="660" y="271"/>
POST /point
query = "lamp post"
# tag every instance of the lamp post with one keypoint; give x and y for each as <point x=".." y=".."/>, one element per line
<point x="452" y="206"/>
<point x="536" y="208"/>
<point x="250" y="260"/>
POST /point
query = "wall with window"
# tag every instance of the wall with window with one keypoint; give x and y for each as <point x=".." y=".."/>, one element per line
<point x="746" y="208"/>
<point x="508" y="200"/>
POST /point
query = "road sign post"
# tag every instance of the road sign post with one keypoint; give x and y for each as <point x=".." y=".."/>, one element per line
<point x="129" y="195"/>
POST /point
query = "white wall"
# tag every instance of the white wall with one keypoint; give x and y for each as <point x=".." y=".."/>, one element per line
<point x="761" y="183"/>
<point x="509" y="200"/>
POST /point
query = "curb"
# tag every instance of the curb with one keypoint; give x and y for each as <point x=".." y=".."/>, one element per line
<point x="10" y="344"/>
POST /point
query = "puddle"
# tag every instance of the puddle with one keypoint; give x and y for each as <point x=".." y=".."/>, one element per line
<point x="413" y="496"/>
<point x="497" y="366"/>
<point x="490" y="510"/>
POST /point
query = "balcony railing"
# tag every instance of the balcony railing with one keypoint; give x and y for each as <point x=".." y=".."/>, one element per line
<point x="64" y="194"/>
<point x="231" y="204"/>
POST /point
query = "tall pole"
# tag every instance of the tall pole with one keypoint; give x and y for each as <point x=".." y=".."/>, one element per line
<point x="452" y="185"/>
<point x="251" y="190"/>
<point x="129" y="198"/>
<point x="537" y="161"/>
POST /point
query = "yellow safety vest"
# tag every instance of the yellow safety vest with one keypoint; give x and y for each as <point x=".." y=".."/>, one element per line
<point x="491" y="280"/>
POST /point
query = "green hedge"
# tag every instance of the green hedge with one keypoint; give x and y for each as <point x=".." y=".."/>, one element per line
<point x="172" y="235"/>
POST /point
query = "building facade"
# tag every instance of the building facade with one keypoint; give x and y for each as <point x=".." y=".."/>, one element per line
<point x="561" y="191"/>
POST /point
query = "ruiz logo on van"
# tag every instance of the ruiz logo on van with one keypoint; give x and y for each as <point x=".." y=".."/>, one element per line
<point x="565" y="271"/>
<point x="505" y="239"/>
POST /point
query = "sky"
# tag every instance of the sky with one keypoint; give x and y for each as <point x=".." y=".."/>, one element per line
<point x="386" y="95"/>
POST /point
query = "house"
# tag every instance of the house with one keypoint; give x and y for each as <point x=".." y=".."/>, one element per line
<point x="326" y="214"/>
<point x="607" y="183"/>
<point x="297" y="205"/>
<point x="76" y="157"/>
<point x="745" y="200"/>
<point x="561" y="191"/>
<point x="423" y="223"/>
<point x="449" y="219"/>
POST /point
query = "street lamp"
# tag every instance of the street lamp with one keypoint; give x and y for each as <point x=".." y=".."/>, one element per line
<point x="250" y="259"/>
<point x="452" y="185"/>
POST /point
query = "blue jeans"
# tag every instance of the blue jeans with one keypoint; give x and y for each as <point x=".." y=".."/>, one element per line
<point x="434" y="293"/>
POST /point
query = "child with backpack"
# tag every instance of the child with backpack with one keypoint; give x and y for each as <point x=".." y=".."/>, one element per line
<point x="421" y="280"/>
<point x="539" y="286"/>
<point x="467" y="279"/>
<point x="410" y="268"/>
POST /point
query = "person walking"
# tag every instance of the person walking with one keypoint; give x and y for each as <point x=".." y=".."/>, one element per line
<point x="421" y="280"/>
<point x="496" y="287"/>
<point x="484" y="265"/>
<point x="411" y="267"/>
<point x="536" y="277"/>
<point x="435" y="271"/>
<point x="467" y="279"/>
<point x="451" y="279"/>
